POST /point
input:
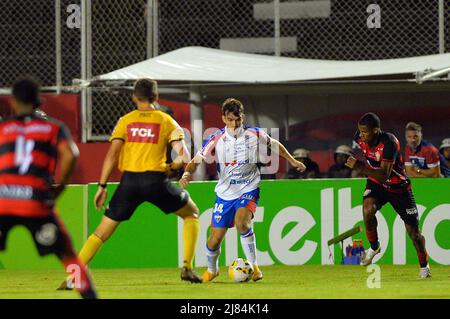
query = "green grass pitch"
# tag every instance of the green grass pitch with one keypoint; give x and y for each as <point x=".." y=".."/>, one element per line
<point x="288" y="282"/>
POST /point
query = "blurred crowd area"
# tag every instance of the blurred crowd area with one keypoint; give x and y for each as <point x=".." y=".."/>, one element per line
<point x="428" y="144"/>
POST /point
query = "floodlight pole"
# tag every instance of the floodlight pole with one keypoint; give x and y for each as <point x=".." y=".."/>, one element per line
<point x="441" y="27"/>
<point x="276" y="21"/>
<point x="86" y="71"/>
<point x="58" y="31"/>
<point x="196" y="109"/>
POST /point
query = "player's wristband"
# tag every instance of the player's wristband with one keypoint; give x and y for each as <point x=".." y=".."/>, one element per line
<point x="186" y="175"/>
<point x="102" y="185"/>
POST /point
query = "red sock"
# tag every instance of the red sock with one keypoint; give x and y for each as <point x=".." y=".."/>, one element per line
<point x="423" y="258"/>
<point x="372" y="236"/>
<point x="79" y="274"/>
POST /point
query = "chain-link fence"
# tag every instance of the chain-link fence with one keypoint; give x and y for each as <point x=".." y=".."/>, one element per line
<point x="323" y="29"/>
<point x="28" y="30"/>
<point x="70" y="40"/>
<point x="119" y="33"/>
<point x="27" y="34"/>
<point x="447" y="25"/>
<point x="330" y="29"/>
<point x="119" y="38"/>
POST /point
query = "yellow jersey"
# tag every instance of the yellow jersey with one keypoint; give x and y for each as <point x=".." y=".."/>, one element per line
<point x="146" y="135"/>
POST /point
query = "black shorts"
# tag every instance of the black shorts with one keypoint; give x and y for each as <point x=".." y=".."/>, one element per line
<point x="152" y="187"/>
<point x="402" y="200"/>
<point x="49" y="234"/>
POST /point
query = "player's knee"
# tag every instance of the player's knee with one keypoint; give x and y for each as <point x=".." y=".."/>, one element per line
<point x="193" y="208"/>
<point x="189" y="210"/>
<point x="417" y="237"/>
<point x="242" y="225"/>
<point x="369" y="211"/>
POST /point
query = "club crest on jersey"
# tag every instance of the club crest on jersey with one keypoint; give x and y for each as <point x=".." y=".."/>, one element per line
<point x="217" y="217"/>
<point x="143" y="132"/>
<point x="378" y="156"/>
<point x="47" y="235"/>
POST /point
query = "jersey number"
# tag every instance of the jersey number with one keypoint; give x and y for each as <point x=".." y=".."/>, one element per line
<point x="218" y="208"/>
<point x="23" y="156"/>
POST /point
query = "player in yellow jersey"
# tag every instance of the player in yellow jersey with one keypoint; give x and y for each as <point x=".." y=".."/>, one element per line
<point x="138" y="146"/>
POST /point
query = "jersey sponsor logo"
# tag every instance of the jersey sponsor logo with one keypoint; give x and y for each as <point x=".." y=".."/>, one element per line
<point x="230" y="164"/>
<point x="16" y="192"/>
<point x="239" y="182"/>
<point x="143" y="132"/>
<point x="33" y="128"/>
<point x="233" y="163"/>
<point x="146" y="114"/>
<point x="241" y="148"/>
<point x="411" y="211"/>
<point x="247" y="196"/>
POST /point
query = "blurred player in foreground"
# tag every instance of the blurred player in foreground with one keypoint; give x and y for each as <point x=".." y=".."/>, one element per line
<point x="236" y="149"/>
<point x="30" y="146"/>
<point x="386" y="183"/>
<point x="138" y="144"/>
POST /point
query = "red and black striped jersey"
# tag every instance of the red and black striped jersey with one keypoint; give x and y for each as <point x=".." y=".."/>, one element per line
<point x="28" y="154"/>
<point x="385" y="148"/>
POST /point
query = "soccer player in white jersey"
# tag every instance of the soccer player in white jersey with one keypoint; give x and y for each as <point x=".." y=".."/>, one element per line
<point x="236" y="151"/>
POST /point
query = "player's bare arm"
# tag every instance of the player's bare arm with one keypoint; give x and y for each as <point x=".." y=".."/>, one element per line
<point x="68" y="154"/>
<point x="283" y="152"/>
<point x="412" y="171"/>
<point x="111" y="159"/>
<point x="183" y="155"/>
<point x="381" y="174"/>
<point x="190" y="168"/>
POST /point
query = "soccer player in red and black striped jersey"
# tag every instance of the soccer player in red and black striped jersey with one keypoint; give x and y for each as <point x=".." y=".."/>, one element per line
<point x="387" y="182"/>
<point x="30" y="147"/>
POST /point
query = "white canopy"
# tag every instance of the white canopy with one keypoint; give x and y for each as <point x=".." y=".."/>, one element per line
<point x="198" y="64"/>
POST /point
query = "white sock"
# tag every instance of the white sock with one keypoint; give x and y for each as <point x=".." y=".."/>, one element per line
<point x="248" y="242"/>
<point x="212" y="257"/>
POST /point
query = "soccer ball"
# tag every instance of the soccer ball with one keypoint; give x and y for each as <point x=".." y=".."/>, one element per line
<point x="240" y="270"/>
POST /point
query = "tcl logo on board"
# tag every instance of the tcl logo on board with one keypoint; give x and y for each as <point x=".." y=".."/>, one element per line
<point x="143" y="132"/>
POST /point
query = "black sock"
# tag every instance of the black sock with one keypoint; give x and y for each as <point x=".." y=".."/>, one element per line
<point x="375" y="245"/>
